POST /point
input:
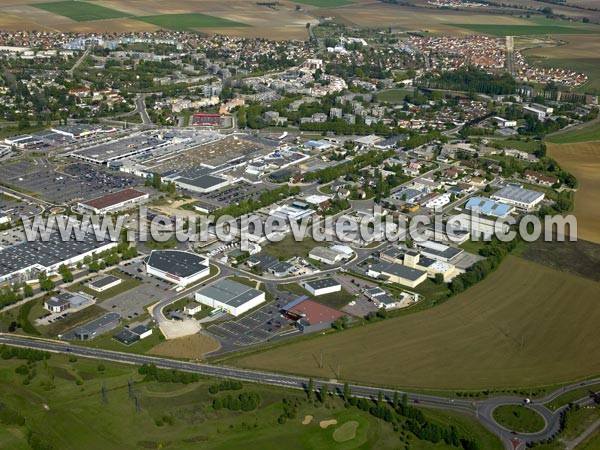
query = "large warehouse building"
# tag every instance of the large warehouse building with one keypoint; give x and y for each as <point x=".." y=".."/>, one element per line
<point x="176" y="266"/>
<point x="116" y="201"/>
<point x="519" y="197"/>
<point x="230" y="296"/>
<point x="25" y="261"/>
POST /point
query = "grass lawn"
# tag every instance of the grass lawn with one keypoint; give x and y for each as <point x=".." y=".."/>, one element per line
<point x="127" y="284"/>
<point x="106" y="341"/>
<point x="571" y="396"/>
<point x="189" y="22"/>
<point x="519" y="418"/>
<point x="81" y="11"/>
<point x="335" y="300"/>
<point x="293" y="288"/>
<point x="524" y="145"/>
<point x="324" y="3"/>
<point x="511" y="326"/>
<point x="584" y="134"/>
<point x="71" y="321"/>
<point x="592" y="442"/>
<point x="522" y="30"/>
<point x="579" y="420"/>
<point x="63" y="405"/>
<point x="288" y="247"/>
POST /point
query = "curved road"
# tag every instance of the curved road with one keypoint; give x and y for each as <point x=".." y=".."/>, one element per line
<point x="482" y="409"/>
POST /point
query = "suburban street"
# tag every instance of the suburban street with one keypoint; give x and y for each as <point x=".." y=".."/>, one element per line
<point x="482" y="409"/>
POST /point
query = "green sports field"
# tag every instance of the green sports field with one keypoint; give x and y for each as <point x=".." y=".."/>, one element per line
<point x="514" y="329"/>
<point x="189" y="22"/>
<point x="81" y="11"/>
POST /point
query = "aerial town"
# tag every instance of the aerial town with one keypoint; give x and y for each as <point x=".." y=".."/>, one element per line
<point x="346" y="128"/>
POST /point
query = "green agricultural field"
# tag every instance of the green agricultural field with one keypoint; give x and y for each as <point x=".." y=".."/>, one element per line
<point x="584" y="134"/>
<point x="63" y="405"/>
<point x="522" y="30"/>
<point x="519" y="418"/>
<point x="189" y="22"/>
<point x="324" y="3"/>
<point x="81" y="11"/>
<point x="507" y="331"/>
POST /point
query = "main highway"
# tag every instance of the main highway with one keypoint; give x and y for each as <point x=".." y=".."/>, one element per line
<point x="482" y="409"/>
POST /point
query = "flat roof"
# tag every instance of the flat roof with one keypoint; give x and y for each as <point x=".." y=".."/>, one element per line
<point x="104" y="281"/>
<point x="488" y="207"/>
<point x="46" y="253"/>
<point x="98" y="324"/>
<point x="230" y="292"/>
<point x="115" y="198"/>
<point x="518" y="194"/>
<point x="323" y="283"/>
<point x="402" y="271"/>
<point x="177" y="262"/>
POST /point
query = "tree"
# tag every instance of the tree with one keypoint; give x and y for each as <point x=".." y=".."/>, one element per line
<point x="323" y="396"/>
<point x="347" y="392"/>
<point x="396" y="400"/>
<point x="404" y="400"/>
<point x="379" y="398"/>
<point x="27" y="290"/>
<point x="309" y="389"/>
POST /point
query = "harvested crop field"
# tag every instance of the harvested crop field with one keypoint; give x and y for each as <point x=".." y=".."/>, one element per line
<point x="187" y="347"/>
<point x="242" y="18"/>
<point x="583" y="161"/>
<point x="525" y="325"/>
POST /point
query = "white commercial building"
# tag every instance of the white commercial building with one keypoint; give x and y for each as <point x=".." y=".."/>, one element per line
<point x="101" y="284"/>
<point x="116" y="201"/>
<point x="478" y="227"/>
<point x="323" y="286"/>
<point x="176" y="266"/>
<point x="519" y="197"/>
<point x="230" y="296"/>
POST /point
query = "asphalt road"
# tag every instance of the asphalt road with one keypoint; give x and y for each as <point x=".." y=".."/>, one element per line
<point x="481" y="409"/>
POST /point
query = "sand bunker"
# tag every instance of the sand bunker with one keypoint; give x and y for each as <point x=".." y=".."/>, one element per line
<point x="327" y="423"/>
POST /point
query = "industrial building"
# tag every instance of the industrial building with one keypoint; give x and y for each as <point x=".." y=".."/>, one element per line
<point x="330" y="255"/>
<point x="309" y="316"/>
<point x="117" y="201"/>
<point x="489" y="207"/>
<point x="519" y="197"/>
<point x="128" y="336"/>
<point x="478" y="227"/>
<point x="397" y="273"/>
<point x="95" y="328"/>
<point x="27" y="260"/>
<point x="437" y="251"/>
<point x="176" y="266"/>
<point x="101" y="284"/>
<point x="322" y="286"/>
<point x="415" y="260"/>
<point x="67" y="300"/>
<point x="230" y="296"/>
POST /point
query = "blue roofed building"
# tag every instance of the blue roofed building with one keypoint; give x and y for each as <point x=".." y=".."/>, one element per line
<point x="489" y="207"/>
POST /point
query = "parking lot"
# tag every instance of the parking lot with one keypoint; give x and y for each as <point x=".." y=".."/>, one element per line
<point x="71" y="182"/>
<point x="235" y="193"/>
<point x="261" y="325"/>
<point x="133" y="303"/>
